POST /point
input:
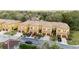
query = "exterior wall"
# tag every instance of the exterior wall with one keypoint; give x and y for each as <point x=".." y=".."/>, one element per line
<point x="34" y="28"/>
<point x="9" y="27"/>
<point x="23" y="28"/>
<point x="0" y="26"/>
<point x="4" y="27"/>
<point x="14" y="26"/>
<point x="26" y="29"/>
<point x="62" y="32"/>
<point x="47" y="30"/>
<point x="46" y="27"/>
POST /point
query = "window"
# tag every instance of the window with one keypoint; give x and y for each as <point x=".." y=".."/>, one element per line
<point x="44" y="28"/>
<point x="31" y="27"/>
<point x="48" y="28"/>
<point x="63" y="36"/>
<point x="64" y="30"/>
<point x="6" y="29"/>
<point x="48" y="34"/>
<point x="3" y="29"/>
<point x="19" y="31"/>
<point x="40" y="31"/>
<point x="59" y="30"/>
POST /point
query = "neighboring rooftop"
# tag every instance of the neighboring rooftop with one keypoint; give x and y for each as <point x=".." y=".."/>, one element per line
<point x="35" y="21"/>
<point x="46" y="23"/>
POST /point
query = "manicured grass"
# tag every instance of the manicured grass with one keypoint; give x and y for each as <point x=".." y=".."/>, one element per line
<point x="1" y="45"/>
<point x="11" y="33"/>
<point x="27" y="46"/>
<point x="74" y="36"/>
<point x="54" y="46"/>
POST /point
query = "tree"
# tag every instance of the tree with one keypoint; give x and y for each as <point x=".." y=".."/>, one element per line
<point x="72" y="19"/>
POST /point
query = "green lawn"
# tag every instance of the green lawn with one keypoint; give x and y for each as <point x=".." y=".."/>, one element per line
<point x="55" y="46"/>
<point x="75" y="38"/>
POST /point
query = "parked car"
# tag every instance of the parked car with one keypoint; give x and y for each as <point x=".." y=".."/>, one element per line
<point x="59" y="39"/>
<point x="28" y="42"/>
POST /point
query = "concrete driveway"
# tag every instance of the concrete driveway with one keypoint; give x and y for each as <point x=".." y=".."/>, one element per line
<point x="64" y="46"/>
<point x="63" y="41"/>
<point x="2" y="32"/>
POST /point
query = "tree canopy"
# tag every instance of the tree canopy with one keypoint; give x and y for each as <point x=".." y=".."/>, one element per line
<point x="69" y="17"/>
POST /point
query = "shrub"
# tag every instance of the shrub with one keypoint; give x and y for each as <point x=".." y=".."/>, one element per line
<point x="39" y="36"/>
<point x="45" y="45"/>
<point x="53" y="38"/>
<point x="54" y="46"/>
<point x="74" y="38"/>
<point x="26" y="34"/>
<point x="11" y="33"/>
<point x="27" y="46"/>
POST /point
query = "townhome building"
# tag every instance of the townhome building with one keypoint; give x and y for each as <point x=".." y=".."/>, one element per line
<point x="9" y="25"/>
<point x="36" y="26"/>
<point x="23" y="27"/>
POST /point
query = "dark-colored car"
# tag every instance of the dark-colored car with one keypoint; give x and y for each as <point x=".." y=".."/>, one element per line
<point x="28" y="42"/>
<point x="59" y="39"/>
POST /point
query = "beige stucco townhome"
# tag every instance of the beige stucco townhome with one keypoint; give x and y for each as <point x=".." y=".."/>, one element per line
<point x="9" y="25"/>
<point x="36" y="26"/>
